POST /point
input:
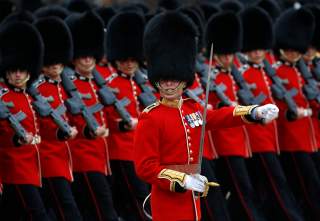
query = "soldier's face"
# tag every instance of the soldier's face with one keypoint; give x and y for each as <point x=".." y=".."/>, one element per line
<point x="170" y="89"/>
<point x="84" y="65"/>
<point x="225" y="60"/>
<point x="128" y="66"/>
<point x="53" y="71"/>
<point x="310" y="54"/>
<point x="256" y="56"/>
<point x="18" y="78"/>
<point x="291" y="56"/>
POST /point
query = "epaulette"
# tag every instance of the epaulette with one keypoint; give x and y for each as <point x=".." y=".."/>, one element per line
<point x="151" y="107"/>
<point x="277" y="64"/>
<point x="39" y="81"/>
<point x="243" y="68"/>
<point x="110" y="78"/>
<point x="3" y="91"/>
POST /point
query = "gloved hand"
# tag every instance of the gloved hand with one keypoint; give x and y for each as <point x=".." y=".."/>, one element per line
<point x="266" y="113"/>
<point x="195" y="182"/>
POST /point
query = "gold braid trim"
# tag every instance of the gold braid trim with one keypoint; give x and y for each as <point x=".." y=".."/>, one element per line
<point x="173" y="176"/>
<point x="240" y="110"/>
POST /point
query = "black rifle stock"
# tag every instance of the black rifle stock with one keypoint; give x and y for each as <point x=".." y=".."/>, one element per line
<point x="107" y="97"/>
<point x="146" y="97"/>
<point x="44" y="109"/>
<point x="75" y="103"/>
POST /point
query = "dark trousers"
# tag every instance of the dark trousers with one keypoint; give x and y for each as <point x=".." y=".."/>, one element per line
<point x="268" y="177"/>
<point x="22" y="202"/>
<point x="213" y="207"/>
<point x="242" y="200"/>
<point x="128" y="190"/>
<point x="304" y="180"/>
<point x="316" y="159"/>
<point x="58" y="199"/>
<point x="93" y="196"/>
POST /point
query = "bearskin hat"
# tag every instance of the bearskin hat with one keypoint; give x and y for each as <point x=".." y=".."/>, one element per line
<point x="21" y="53"/>
<point x="169" y="4"/>
<point x="271" y="7"/>
<point x="209" y="9"/>
<point x="294" y="30"/>
<point x="191" y="13"/>
<point x="315" y="10"/>
<point x="79" y="6"/>
<point x="231" y="5"/>
<point x="224" y="31"/>
<point x="257" y="29"/>
<point x="25" y="16"/>
<point x="170" y="45"/>
<point x="54" y="10"/>
<point x="58" y="48"/>
<point x="106" y="13"/>
<point x="125" y="36"/>
<point x="87" y="30"/>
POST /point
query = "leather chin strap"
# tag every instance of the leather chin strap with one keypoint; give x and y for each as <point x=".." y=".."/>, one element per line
<point x="171" y="91"/>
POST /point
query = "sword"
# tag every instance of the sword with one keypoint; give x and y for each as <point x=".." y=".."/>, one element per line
<point x="204" y="116"/>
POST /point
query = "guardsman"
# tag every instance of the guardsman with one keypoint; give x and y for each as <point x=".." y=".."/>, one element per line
<point x="89" y="149"/>
<point x="231" y="149"/>
<point x="167" y="138"/>
<point x="296" y="133"/>
<point x="125" y="53"/>
<point x="277" y="198"/>
<point x="20" y="168"/>
<point x="55" y="153"/>
<point x="214" y="206"/>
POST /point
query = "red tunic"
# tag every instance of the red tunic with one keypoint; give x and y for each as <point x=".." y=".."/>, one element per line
<point x="263" y="138"/>
<point x="297" y="135"/>
<point x="88" y="154"/>
<point x="19" y="165"/>
<point x="165" y="137"/>
<point x="121" y="142"/>
<point x="230" y="141"/>
<point x="55" y="154"/>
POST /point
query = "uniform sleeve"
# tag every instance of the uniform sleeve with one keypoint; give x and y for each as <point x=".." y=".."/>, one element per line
<point x="147" y="156"/>
<point x="227" y="117"/>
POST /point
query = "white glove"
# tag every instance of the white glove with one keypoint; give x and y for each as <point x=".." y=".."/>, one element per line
<point x="195" y="182"/>
<point x="267" y="113"/>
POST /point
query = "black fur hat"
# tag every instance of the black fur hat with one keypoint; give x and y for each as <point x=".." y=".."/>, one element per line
<point x="257" y="29"/>
<point x="52" y="10"/>
<point x="209" y="9"/>
<point x="6" y="8"/>
<point x="21" y="53"/>
<point x="58" y="48"/>
<point x="79" y="6"/>
<point x="191" y="13"/>
<point x="169" y="4"/>
<point x="231" y="5"/>
<point x="224" y="31"/>
<point x="271" y="7"/>
<point x="170" y="44"/>
<point x="87" y="30"/>
<point x="23" y="15"/>
<point x="315" y="10"/>
<point x="294" y="30"/>
<point x="125" y="36"/>
<point x="106" y="13"/>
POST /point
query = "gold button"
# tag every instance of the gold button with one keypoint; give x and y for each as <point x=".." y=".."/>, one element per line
<point x="189" y="138"/>
<point x="188" y="130"/>
<point x="191" y="152"/>
<point x="191" y="159"/>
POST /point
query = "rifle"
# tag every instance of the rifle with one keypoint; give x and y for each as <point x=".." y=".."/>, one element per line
<point x="14" y="120"/>
<point x="278" y="90"/>
<point x="146" y="97"/>
<point x="316" y="68"/>
<point x="310" y="88"/>
<point x="107" y="97"/>
<point x="194" y="95"/>
<point x="44" y="109"/>
<point x="203" y="70"/>
<point x="244" y="93"/>
<point x="75" y="103"/>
